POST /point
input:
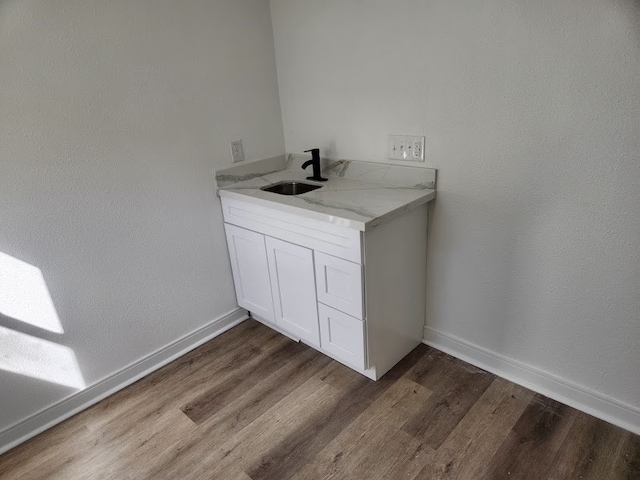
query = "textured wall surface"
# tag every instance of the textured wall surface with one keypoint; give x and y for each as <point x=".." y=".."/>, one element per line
<point x="113" y="115"/>
<point x="532" y="115"/>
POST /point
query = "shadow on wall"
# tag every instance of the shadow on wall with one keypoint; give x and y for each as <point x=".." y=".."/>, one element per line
<point x="631" y="9"/>
<point x="25" y="303"/>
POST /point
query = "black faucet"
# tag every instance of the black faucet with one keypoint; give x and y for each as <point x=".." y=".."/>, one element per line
<point x="315" y="161"/>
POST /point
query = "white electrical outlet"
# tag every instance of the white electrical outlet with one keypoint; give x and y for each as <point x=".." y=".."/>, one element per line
<point x="406" y="147"/>
<point x="237" y="152"/>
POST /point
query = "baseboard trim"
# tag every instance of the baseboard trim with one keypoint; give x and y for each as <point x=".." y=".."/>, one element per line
<point x="47" y="418"/>
<point x="576" y="396"/>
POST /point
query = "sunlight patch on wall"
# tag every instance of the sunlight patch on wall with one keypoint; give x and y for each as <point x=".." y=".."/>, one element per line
<point x="37" y="358"/>
<point x="24" y="295"/>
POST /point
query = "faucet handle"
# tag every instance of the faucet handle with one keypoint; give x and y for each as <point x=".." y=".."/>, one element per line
<point x="315" y="152"/>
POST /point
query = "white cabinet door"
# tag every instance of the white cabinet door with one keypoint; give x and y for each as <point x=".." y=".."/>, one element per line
<point x="248" y="255"/>
<point x="294" y="289"/>
<point x="342" y="336"/>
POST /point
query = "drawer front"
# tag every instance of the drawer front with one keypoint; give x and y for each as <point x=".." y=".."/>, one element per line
<point x="342" y="242"/>
<point x="342" y="336"/>
<point x="339" y="284"/>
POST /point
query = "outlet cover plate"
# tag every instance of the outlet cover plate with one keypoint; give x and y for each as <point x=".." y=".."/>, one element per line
<point x="237" y="151"/>
<point x="409" y="148"/>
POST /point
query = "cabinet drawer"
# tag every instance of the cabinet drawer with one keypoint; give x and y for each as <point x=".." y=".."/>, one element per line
<point x="339" y="284"/>
<point x="342" y="336"/>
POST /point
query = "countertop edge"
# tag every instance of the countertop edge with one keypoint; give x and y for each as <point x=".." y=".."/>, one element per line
<point x="325" y="217"/>
<point x="431" y="195"/>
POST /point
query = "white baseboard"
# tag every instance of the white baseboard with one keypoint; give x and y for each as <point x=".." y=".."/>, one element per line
<point x="581" y="398"/>
<point x="81" y="400"/>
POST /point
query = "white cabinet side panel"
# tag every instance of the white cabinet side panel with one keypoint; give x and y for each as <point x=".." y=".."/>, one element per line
<point x="395" y="280"/>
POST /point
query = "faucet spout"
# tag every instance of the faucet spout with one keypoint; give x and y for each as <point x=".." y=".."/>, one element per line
<point x="315" y="163"/>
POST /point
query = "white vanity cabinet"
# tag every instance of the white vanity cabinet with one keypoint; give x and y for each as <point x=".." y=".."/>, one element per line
<point x="356" y="296"/>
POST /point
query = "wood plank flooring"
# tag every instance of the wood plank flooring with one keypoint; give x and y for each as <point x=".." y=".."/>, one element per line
<point x="252" y="404"/>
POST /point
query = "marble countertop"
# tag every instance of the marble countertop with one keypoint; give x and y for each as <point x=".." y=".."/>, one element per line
<point x="342" y="200"/>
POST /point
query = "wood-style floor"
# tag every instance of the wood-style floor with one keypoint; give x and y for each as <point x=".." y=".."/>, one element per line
<point x="252" y="404"/>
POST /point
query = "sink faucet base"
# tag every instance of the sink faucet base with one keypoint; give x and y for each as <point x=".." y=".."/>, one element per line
<point x="320" y="179"/>
<point x="315" y="162"/>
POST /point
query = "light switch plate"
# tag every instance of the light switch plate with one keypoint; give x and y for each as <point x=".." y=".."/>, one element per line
<point x="409" y="148"/>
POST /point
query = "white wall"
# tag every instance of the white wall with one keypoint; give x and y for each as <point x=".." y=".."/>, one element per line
<point x="532" y="115"/>
<point x="112" y="117"/>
